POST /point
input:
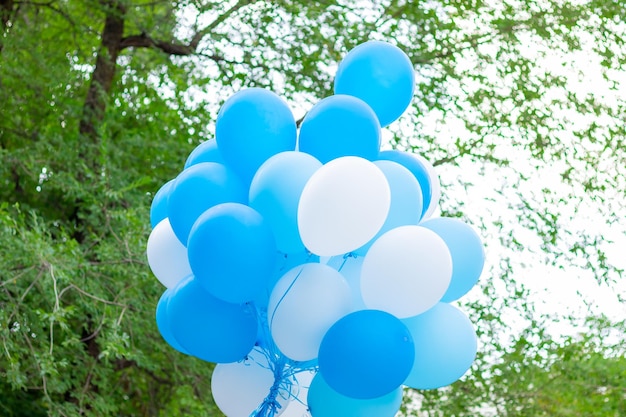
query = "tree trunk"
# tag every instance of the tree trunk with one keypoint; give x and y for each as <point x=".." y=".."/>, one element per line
<point x="102" y="78"/>
<point x="6" y="10"/>
<point x="94" y="107"/>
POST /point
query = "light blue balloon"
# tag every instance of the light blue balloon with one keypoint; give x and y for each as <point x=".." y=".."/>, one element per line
<point x="287" y="261"/>
<point x="251" y="126"/>
<point x="208" y="328"/>
<point x="205" y="152"/>
<point x="406" y="200"/>
<point x="380" y="74"/>
<point x="323" y="401"/>
<point x="158" y="208"/>
<point x="366" y="354"/>
<point x="232" y="252"/>
<point x="445" y="346"/>
<point x="418" y="170"/>
<point x="163" y="323"/>
<point x="197" y="189"/>
<point x="339" y="126"/>
<point x="350" y="265"/>
<point x="275" y="193"/>
<point x="466" y="249"/>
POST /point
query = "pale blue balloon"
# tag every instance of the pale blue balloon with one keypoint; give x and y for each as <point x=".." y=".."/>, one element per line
<point x="445" y="346"/>
<point x="406" y="200"/>
<point x="323" y="401"/>
<point x="284" y="263"/>
<point x="207" y="151"/>
<point x="208" y="328"/>
<point x="339" y="126"/>
<point x="466" y="249"/>
<point x="380" y="74"/>
<point x="366" y="354"/>
<point x="163" y="323"/>
<point x="231" y="252"/>
<point x="275" y="193"/>
<point x="158" y="208"/>
<point x="418" y="170"/>
<point x="197" y="189"/>
<point x="350" y="265"/>
<point x="251" y="126"/>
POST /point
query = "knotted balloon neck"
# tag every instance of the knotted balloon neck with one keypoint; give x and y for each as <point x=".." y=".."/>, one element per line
<point x="345" y="259"/>
<point x="282" y="386"/>
<point x="283" y="368"/>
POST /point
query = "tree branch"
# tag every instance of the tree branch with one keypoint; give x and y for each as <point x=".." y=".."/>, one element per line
<point x="176" y="47"/>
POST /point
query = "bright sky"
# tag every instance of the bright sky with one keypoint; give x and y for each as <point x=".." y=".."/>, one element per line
<point x="570" y="289"/>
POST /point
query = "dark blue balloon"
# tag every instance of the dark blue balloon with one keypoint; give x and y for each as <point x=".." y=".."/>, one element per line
<point x="158" y="209"/>
<point x="232" y="252"/>
<point x="445" y="346"/>
<point x="163" y="323"/>
<point x="209" y="328"/>
<point x="339" y="126"/>
<point x="205" y="152"/>
<point x="366" y="354"/>
<point x="379" y="74"/>
<point x="323" y="401"/>
<point x="417" y="169"/>
<point x="197" y="189"/>
<point x="251" y="126"/>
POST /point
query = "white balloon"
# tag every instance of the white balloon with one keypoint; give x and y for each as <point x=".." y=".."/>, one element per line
<point x="167" y="257"/>
<point x="406" y="271"/>
<point x="239" y="388"/>
<point x="435" y="187"/>
<point x="343" y="205"/>
<point x="304" y="304"/>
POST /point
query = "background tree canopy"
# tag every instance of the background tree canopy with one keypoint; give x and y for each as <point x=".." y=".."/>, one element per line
<point x="518" y="103"/>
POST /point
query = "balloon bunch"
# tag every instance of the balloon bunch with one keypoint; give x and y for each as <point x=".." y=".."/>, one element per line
<point x="290" y="255"/>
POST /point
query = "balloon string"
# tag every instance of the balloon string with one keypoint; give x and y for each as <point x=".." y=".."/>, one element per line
<point x="284" y="295"/>
<point x="284" y="370"/>
<point x="345" y="259"/>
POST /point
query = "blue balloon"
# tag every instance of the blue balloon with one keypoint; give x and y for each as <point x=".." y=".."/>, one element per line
<point x="417" y="169"/>
<point x="366" y="354"/>
<point x="275" y="193"/>
<point x="197" y="189"/>
<point x="406" y="200"/>
<point x="379" y="74"/>
<point x="208" y="328"/>
<point x="323" y="401"/>
<point x="205" y="152"/>
<point x="466" y="249"/>
<point x="339" y="126"/>
<point x="163" y="323"/>
<point x="232" y="252"/>
<point x="445" y="346"/>
<point x="251" y="126"/>
<point x="158" y="208"/>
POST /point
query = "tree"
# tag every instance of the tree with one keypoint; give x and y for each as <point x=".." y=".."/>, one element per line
<point x="101" y="101"/>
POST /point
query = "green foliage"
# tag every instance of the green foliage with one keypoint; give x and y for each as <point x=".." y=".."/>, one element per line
<point x="503" y="96"/>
